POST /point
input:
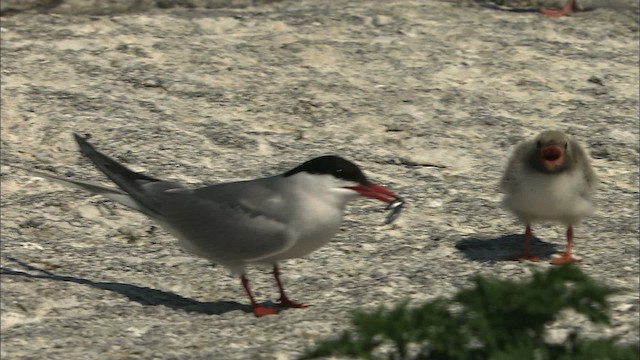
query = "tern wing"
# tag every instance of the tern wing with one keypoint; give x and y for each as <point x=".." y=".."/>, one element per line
<point x="590" y="177"/>
<point x="510" y="179"/>
<point x="242" y="221"/>
<point x="136" y="185"/>
<point x="229" y="222"/>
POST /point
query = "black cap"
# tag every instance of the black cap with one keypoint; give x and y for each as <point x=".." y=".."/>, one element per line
<point x="331" y="165"/>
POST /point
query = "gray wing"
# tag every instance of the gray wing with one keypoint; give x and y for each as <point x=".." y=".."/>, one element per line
<point x="510" y="179"/>
<point x="228" y="222"/>
<point x="132" y="183"/>
<point x="582" y="159"/>
<point x="241" y="221"/>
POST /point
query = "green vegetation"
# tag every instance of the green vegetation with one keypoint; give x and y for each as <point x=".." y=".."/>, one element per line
<point x="494" y="319"/>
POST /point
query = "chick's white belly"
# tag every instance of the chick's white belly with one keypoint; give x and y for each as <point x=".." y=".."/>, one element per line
<point x="549" y="197"/>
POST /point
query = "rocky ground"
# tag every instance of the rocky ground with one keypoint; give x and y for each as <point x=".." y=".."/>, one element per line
<point x="429" y="97"/>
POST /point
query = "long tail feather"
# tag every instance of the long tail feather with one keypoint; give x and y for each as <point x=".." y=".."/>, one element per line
<point x="129" y="181"/>
<point x="110" y="193"/>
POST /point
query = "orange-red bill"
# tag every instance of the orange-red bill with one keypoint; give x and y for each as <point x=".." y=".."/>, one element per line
<point x="375" y="192"/>
<point x="395" y="203"/>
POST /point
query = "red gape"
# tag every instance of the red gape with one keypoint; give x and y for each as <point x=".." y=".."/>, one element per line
<point x="569" y="7"/>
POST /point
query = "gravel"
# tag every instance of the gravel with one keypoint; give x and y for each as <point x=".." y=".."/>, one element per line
<point x="428" y="97"/>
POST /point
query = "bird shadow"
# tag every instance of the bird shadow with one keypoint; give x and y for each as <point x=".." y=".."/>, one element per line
<point x="499" y="249"/>
<point x="140" y="294"/>
<point x="524" y="9"/>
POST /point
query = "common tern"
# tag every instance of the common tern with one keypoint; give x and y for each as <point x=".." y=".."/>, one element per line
<point x="549" y="178"/>
<point x="261" y="221"/>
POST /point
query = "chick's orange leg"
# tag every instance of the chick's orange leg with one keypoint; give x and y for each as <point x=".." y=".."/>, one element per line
<point x="525" y="254"/>
<point x="569" y="7"/>
<point x="567" y="256"/>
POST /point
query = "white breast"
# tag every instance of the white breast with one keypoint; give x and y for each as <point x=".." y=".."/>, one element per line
<point x="317" y="208"/>
<point x="558" y="197"/>
<point x="315" y="222"/>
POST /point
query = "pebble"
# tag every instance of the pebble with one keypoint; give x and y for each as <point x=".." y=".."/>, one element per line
<point x="382" y="20"/>
<point x="88" y="212"/>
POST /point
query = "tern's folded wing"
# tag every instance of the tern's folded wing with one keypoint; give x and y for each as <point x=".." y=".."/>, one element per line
<point x="227" y="222"/>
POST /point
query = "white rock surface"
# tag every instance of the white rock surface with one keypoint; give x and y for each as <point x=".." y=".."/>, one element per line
<point x="206" y="95"/>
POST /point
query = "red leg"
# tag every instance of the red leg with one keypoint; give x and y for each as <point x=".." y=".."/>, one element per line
<point x="569" y="7"/>
<point x="258" y="310"/>
<point x="284" y="300"/>
<point x="567" y="256"/>
<point x="525" y="254"/>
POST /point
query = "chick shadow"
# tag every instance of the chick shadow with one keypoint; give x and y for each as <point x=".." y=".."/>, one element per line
<point x="525" y="9"/>
<point x="501" y="248"/>
<point x="140" y="294"/>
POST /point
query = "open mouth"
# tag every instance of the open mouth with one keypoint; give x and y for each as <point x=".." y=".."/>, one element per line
<point x="552" y="156"/>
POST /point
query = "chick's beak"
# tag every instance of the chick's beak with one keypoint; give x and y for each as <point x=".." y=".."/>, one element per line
<point x="375" y="192"/>
<point x="552" y="156"/>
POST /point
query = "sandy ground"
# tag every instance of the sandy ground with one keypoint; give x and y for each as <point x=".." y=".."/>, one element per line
<point x="428" y="97"/>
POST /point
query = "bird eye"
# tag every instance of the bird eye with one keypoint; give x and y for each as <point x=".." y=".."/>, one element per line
<point x="539" y="144"/>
